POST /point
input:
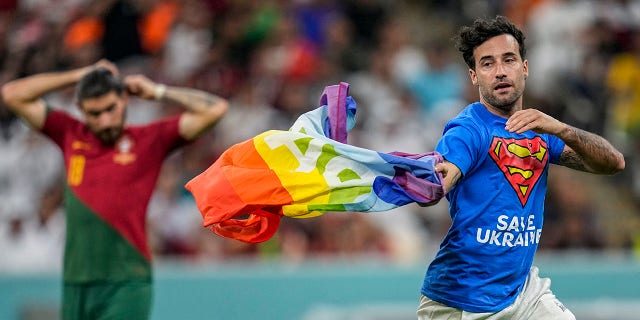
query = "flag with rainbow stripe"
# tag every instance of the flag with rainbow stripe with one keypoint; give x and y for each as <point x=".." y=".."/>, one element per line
<point x="307" y="171"/>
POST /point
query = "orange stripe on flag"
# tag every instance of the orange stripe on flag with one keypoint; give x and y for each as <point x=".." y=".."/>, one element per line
<point x="238" y="178"/>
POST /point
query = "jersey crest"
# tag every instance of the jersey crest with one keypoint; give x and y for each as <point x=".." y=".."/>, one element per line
<point x="123" y="154"/>
<point x="522" y="161"/>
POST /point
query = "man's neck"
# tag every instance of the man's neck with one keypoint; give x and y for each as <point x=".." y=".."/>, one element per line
<point x="502" y="112"/>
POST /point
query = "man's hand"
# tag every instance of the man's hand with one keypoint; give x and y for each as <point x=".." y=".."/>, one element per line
<point x="450" y="174"/>
<point x="532" y="119"/>
<point x="141" y="86"/>
<point x="583" y="151"/>
<point x="104" y="63"/>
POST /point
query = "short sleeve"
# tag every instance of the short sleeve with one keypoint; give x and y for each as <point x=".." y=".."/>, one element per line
<point x="457" y="146"/>
<point x="556" y="145"/>
<point x="166" y="133"/>
<point x="57" y="124"/>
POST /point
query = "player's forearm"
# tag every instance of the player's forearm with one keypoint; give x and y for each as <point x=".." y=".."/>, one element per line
<point x="203" y="109"/>
<point x="29" y="89"/>
<point x="592" y="152"/>
<point x="192" y="100"/>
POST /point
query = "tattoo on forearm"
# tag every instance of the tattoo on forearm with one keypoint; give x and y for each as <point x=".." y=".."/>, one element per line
<point x="571" y="160"/>
<point x="192" y="97"/>
<point x="590" y="153"/>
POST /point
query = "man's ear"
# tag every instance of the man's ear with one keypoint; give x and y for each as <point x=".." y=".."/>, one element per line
<point x="474" y="77"/>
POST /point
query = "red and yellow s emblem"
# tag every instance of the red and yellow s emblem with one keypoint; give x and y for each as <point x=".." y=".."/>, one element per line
<point x="522" y="161"/>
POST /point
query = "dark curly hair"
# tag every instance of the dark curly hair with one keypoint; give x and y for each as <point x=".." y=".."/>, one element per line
<point x="470" y="37"/>
<point x="97" y="83"/>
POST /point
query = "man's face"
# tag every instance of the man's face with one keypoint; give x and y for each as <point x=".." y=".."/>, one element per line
<point x="500" y="74"/>
<point x="105" y="116"/>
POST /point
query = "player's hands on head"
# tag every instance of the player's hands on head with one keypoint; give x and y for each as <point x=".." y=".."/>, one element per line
<point x="140" y="86"/>
<point x="536" y="120"/>
<point x="104" y="63"/>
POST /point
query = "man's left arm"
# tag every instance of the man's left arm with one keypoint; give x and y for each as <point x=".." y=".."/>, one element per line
<point x="203" y="109"/>
<point x="589" y="152"/>
<point x="584" y="151"/>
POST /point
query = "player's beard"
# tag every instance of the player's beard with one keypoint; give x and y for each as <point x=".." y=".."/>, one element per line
<point x="109" y="136"/>
<point x="504" y="103"/>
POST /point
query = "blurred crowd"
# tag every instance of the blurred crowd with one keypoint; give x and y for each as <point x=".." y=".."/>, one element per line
<point x="271" y="59"/>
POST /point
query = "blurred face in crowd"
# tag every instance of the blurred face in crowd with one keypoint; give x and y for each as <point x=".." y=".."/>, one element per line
<point x="500" y="74"/>
<point x="105" y="116"/>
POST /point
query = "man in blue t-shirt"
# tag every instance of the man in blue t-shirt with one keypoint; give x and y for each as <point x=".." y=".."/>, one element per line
<point x="497" y="157"/>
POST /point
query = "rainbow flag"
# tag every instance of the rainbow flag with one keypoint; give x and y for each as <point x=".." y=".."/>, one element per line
<point x="306" y="172"/>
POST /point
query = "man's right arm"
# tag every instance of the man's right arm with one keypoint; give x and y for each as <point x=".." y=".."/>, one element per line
<point x="24" y="96"/>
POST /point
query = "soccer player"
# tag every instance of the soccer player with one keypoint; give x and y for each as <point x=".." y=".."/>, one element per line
<point x="111" y="171"/>
<point x="497" y="156"/>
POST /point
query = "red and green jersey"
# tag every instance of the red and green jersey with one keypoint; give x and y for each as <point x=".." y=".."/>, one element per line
<point x="108" y="190"/>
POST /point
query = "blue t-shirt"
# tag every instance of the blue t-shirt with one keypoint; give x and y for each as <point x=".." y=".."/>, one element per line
<point x="496" y="208"/>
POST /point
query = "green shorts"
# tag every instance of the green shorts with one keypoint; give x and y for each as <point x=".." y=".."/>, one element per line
<point x="107" y="300"/>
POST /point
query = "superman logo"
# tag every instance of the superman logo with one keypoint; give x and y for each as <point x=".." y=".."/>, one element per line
<point x="522" y="161"/>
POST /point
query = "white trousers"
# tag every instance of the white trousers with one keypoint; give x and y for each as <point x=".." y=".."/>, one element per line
<point x="535" y="302"/>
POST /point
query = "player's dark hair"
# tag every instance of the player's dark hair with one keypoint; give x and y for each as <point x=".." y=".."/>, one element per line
<point x="470" y="37"/>
<point x="97" y="83"/>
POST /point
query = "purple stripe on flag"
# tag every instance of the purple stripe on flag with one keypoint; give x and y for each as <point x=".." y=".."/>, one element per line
<point x="334" y="97"/>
